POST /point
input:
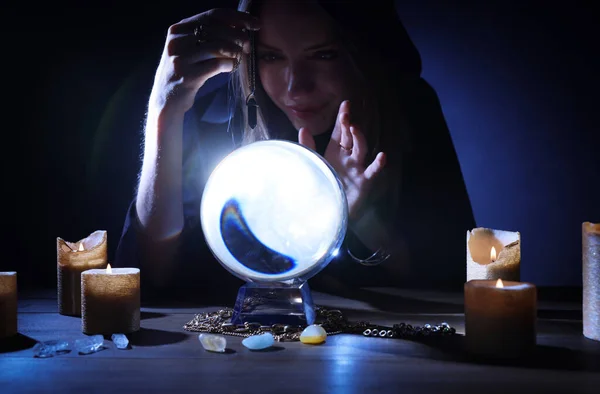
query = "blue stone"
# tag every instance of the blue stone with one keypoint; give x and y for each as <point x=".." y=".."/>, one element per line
<point x="259" y="342"/>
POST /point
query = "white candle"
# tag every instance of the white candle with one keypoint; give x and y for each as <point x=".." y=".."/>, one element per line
<point x="72" y="259"/>
<point x="110" y="300"/>
<point x="493" y="254"/>
<point x="591" y="280"/>
<point x="500" y="318"/>
<point x="8" y="304"/>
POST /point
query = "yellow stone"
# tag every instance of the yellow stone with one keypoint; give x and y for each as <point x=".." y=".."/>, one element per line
<point x="313" y="335"/>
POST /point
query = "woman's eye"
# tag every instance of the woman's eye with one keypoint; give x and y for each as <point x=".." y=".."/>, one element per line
<point x="326" y="55"/>
<point x="268" y="56"/>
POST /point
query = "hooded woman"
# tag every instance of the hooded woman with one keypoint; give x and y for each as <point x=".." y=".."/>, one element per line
<point x="340" y="77"/>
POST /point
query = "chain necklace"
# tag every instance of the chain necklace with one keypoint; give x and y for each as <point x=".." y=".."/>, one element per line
<point x="333" y="321"/>
<point x="251" y="103"/>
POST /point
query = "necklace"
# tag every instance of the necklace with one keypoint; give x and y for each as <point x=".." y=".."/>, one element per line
<point x="333" y="321"/>
<point x="251" y="104"/>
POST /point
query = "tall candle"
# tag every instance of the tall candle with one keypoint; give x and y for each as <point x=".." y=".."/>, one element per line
<point x="500" y="318"/>
<point x="493" y="254"/>
<point x="8" y="304"/>
<point x="72" y="259"/>
<point x="110" y="300"/>
<point x="591" y="280"/>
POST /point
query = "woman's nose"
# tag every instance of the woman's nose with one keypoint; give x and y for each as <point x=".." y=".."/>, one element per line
<point x="300" y="80"/>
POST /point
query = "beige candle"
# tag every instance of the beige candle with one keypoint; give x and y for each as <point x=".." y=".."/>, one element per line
<point x="493" y="254"/>
<point x="72" y="259"/>
<point x="8" y="304"/>
<point x="500" y="318"/>
<point x="110" y="300"/>
<point x="591" y="280"/>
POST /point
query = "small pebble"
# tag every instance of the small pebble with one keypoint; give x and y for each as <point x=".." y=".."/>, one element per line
<point x="313" y="335"/>
<point x="259" y="342"/>
<point x="213" y="343"/>
<point x="120" y="341"/>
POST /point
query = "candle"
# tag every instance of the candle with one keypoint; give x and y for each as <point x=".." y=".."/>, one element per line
<point x="110" y="300"/>
<point x="493" y="254"/>
<point x="72" y="259"/>
<point x="591" y="280"/>
<point x="500" y="318"/>
<point x="8" y="304"/>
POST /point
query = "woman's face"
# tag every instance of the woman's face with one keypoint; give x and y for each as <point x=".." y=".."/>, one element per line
<point x="302" y="65"/>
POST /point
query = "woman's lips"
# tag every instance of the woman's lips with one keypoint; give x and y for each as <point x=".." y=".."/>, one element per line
<point x="305" y="112"/>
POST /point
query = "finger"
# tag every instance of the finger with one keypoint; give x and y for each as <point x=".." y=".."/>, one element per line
<point x="346" y="142"/>
<point x="360" y="146"/>
<point x="305" y="138"/>
<point x="197" y="74"/>
<point x="227" y="16"/>
<point x="233" y="40"/>
<point x="375" y="168"/>
<point x="210" y="50"/>
<point x="224" y="33"/>
<point x="336" y="135"/>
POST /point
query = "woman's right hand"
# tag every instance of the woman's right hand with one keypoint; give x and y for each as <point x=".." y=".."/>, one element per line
<point x="196" y="49"/>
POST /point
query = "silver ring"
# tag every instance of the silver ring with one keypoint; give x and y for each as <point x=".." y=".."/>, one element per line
<point x="200" y="34"/>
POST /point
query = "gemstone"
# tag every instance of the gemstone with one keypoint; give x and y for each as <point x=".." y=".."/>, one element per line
<point x="89" y="345"/>
<point x="120" y="341"/>
<point x="313" y="334"/>
<point x="50" y="348"/>
<point x="42" y="351"/>
<point x="213" y="343"/>
<point x="259" y="342"/>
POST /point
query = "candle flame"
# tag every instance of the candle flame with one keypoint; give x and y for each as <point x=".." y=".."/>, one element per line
<point x="108" y="269"/>
<point x="493" y="254"/>
<point x="499" y="284"/>
<point x="80" y="247"/>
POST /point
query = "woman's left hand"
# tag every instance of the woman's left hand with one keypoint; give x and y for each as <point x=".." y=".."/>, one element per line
<point x="346" y="153"/>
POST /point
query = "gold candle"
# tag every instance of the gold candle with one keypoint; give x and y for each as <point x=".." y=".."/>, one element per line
<point x="72" y="259"/>
<point x="591" y="280"/>
<point x="110" y="300"/>
<point x="500" y="318"/>
<point x="8" y="304"/>
<point x="493" y="254"/>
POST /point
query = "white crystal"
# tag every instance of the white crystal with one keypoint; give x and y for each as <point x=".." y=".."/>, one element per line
<point x="42" y="351"/>
<point x="213" y="343"/>
<point x="90" y="344"/>
<point x="120" y="341"/>
<point x="50" y="348"/>
<point x="259" y="342"/>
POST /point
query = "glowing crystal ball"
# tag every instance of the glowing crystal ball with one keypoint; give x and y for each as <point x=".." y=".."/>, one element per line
<point x="274" y="211"/>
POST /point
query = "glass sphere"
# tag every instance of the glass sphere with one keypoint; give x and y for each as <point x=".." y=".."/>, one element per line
<point x="274" y="211"/>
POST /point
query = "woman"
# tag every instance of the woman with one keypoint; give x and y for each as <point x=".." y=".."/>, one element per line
<point x="342" y="78"/>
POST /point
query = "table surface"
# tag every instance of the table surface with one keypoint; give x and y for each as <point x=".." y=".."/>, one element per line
<point x="166" y="358"/>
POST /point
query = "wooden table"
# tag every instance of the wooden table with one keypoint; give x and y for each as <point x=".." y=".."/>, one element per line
<point x="165" y="358"/>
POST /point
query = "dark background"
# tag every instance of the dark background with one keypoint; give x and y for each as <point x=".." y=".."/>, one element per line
<point x="517" y="82"/>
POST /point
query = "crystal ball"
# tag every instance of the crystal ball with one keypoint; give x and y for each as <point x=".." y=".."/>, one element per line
<point x="274" y="211"/>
